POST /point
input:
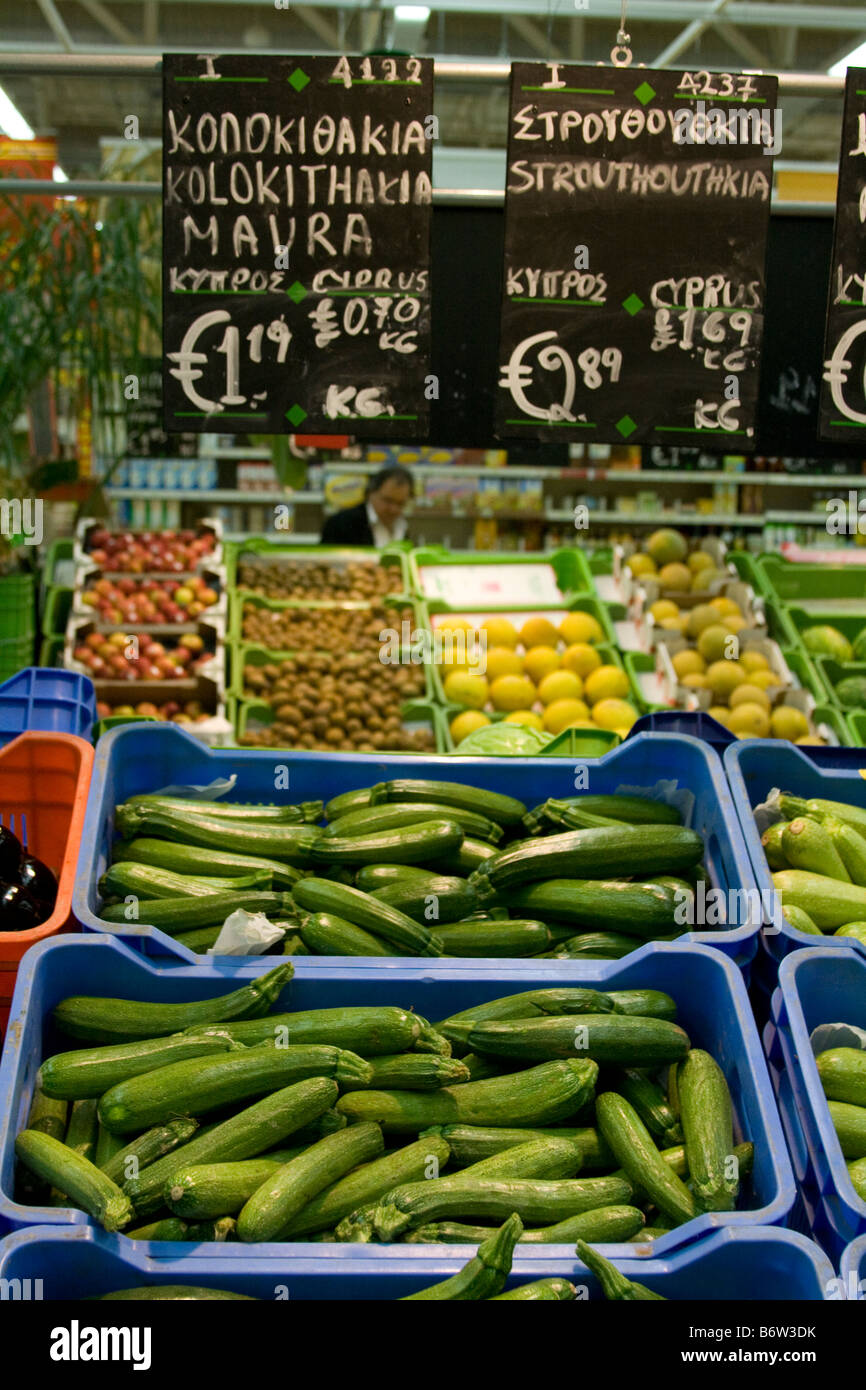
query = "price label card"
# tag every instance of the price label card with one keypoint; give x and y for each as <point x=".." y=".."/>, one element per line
<point x="460" y="585"/>
<point x="843" y="387"/>
<point x="637" y="207"/>
<point x="296" y="244"/>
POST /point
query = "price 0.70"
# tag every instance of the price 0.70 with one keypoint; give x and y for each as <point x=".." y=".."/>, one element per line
<point x="194" y="356"/>
<point x="595" y="366"/>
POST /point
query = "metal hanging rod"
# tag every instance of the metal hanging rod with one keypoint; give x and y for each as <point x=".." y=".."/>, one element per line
<point x="58" y="64"/>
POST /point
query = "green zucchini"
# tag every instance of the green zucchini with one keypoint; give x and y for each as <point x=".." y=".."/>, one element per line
<point x="800" y="920"/>
<point x="92" y="1070"/>
<point x="326" y="1123"/>
<point x="373" y="1030"/>
<point x="411" y="1071"/>
<point x="568" y="814"/>
<point x="417" y="843"/>
<point x="634" y="810"/>
<point x="856" y="930"/>
<point x="366" y="1184"/>
<point x="608" y="1038"/>
<point x="465" y="860"/>
<point x="538" y="1096"/>
<point x="242" y="811"/>
<point x="283" y="1196"/>
<point x="197" y="860"/>
<point x="471" y="1143"/>
<point x="535" y="1003"/>
<point x="479" y="1068"/>
<point x="829" y="902"/>
<point x="843" y="1074"/>
<point x="603" y="1224"/>
<point x="147" y="1148"/>
<point x="818" y="808"/>
<point x="633" y="1147"/>
<point x="651" y="1104"/>
<point x="552" y="1290"/>
<point x="646" y="1003"/>
<point x="370" y="819"/>
<point x="591" y="854"/>
<point x="168" y="1228"/>
<point x="850" y="846"/>
<point x="534" y="1158"/>
<point x="485" y="1275"/>
<point x="212" y="1232"/>
<point x="615" y="1285"/>
<point x="431" y="1040"/>
<point x="174" y="915"/>
<point x="202" y="1084"/>
<point x="291" y="844"/>
<point x="327" y="935"/>
<point x="246" y="1135"/>
<point x="292" y="945"/>
<point x="807" y="845"/>
<point x="499" y="938"/>
<point x="640" y="910"/>
<point x="536" y="1200"/>
<point x="175" y="1293"/>
<point x="107" y="1144"/>
<point x="147" y="882"/>
<point x="88" y="1188"/>
<point x="208" y="1190"/>
<point x="369" y="877"/>
<point x="707" y="1119"/>
<point x="201" y="939"/>
<point x="593" y="946"/>
<point x="505" y="810"/>
<point x="100" y="1020"/>
<point x="857" y="1174"/>
<point x="347" y="801"/>
<point x="81" y="1135"/>
<point x="771" y="843"/>
<point x="434" y="900"/>
<point x="363" y="910"/>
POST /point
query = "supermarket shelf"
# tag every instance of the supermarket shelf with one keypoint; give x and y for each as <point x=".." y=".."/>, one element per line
<point x="289" y="537"/>
<point x="616" y="518"/>
<point x="211" y="494"/>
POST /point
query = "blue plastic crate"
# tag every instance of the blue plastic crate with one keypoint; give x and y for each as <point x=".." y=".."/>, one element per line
<point x="754" y="766"/>
<point x="816" y="986"/>
<point x="852" y="1268"/>
<point x="711" y="997"/>
<point x="739" y="1264"/>
<point x="695" y="723"/>
<point x="46" y="700"/>
<point x="146" y="757"/>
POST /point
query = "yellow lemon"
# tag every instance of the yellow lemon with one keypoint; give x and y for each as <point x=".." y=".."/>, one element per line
<point x="503" y="661"/>
<point x="725" y="606"/>
<point x="580" y="627"/>
<point x="580" y="658"/>
<point x="527" y="717"/>
<point x="459" y="643"/>
<point x="699" y="560"/>
<point x="688" y="663"/>
<point x="763" y="679"/>
<point x="538" y="632"/>
<point x="607" y="683"/>
<point x="789" y="722"/>
<point x="664" y="608"/>
<point x="712" y="643"/>
<point x="696" y="681"/>
<point x="512" y="692"/>
<point x="754" y="660"/>
<point x="560" y="685"/>
<point x="614" y="714"/>
<point x="466" y="723"/>
<point x="748" y="694"/>
<point x="736" y="623"/>
<point x="500" y="632"/>
<point x="723" y="677"/>
<point x="465" y="689"/>
<point x="721" y="713"/>
<point x="749" y="721"/>
<point x="667" y="545"/>
<point x="811" y="739"/>
<point x="563" y="713"/>
<point x="540" y="661"/>
<point x="675" y="577"/>
<point x="702" y="616"/>
<point x="675" y="624"/>
<point x="641" y="565"/>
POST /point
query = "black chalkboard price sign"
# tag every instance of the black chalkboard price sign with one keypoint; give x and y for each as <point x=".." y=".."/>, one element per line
<point x="843" y="387"/>
<point x="296" y="244"/>
<point x="637" y="208"/>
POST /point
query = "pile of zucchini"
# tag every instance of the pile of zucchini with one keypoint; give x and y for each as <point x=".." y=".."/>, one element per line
<point x="818" y="855"/>
<point x="411" y="867"/>
<point x="843" y="1076"/>
<point x="585" y="1113"/>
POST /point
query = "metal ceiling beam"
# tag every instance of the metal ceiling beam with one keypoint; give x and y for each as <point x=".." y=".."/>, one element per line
<point x="319" y="25"/>
<point x="741" y="44"/>
<point x="688" y="36"/>
<point x="535" y="37"/>
<point x="150" y="29"/>
<point x="52" y="18"/>
<point x="109" y="22"/>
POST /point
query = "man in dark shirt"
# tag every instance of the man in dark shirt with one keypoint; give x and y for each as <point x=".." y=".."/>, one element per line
<point x="379" y="519"/>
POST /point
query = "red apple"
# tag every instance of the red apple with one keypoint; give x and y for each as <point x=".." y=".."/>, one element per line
<point x="103" y="710"/>
<point x="106" y="651"/>
<point x="94" y="640"/>
<point x="208" y="596"/>
<point x="147" y="707"/>
<point x="193" y="642"/>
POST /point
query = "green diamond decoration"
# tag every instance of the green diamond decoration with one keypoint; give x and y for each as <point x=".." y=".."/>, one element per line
<point x="298" y="79"/>
<point x="296" y="415"/>
<point x="296" y="292"/>
<point x="644" y="93"/>
<point x="626" y="426"/>
<point x="633" y="304"/>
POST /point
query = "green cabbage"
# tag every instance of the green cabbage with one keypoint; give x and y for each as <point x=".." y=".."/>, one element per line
<point x="504" y="740"/>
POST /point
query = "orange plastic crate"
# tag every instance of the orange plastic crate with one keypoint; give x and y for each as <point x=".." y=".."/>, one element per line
<point x="44" y="781"/>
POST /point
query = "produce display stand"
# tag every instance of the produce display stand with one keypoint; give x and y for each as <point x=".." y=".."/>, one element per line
<point x="736" y="1264"/>
<point x="44" y="783"/>
<point x="147" y="757"/>
<point x="816" y="986"/>
<point x="712" y="1006"/>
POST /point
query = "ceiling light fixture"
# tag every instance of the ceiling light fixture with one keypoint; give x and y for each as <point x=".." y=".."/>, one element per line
<point x="12" y="123"/>
<point x="855" y="59"/>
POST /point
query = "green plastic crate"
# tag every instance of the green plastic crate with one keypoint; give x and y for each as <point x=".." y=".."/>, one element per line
<point x="832" y="672"/>
<point x="390" y="555"/>
<point x="798" y="619"/>
<point x="637" y="664"/>
<point x="857" y="728"/>
<point x="51" y="651"/>
<point x="412" y="712"/>
<point x="800" y="583"/>
<point x="243" y="653"/>
<point x="59" y="567"/>
<point x="15" y="654"/>
<point x="570" y="566"/>
<point x="55" y="613"/>
<point x="17" y="608"/>
<point x="581" y="743"/>
<point x="240" y="597"/>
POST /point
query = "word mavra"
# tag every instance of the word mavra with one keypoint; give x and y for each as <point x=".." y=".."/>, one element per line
<point x="736" y="907"/>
